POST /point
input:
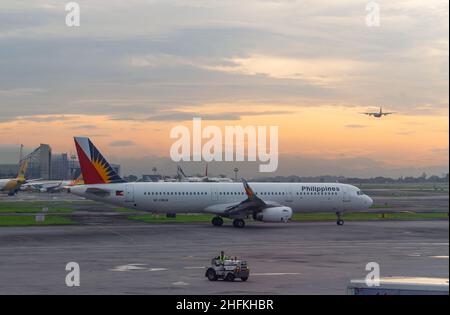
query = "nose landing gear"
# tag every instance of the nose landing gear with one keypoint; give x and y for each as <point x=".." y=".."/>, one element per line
<point x="238" y="223"/>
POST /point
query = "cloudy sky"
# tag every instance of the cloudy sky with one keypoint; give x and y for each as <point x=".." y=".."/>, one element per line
<point x="135" y="69"/>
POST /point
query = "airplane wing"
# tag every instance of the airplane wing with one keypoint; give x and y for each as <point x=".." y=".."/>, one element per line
<point x="253" y="204"/>
<point x="388" y="113"/>
<point x="370" y="114"/>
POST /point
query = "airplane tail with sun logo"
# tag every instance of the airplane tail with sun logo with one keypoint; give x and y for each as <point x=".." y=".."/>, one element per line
<point x="94" y="167"/>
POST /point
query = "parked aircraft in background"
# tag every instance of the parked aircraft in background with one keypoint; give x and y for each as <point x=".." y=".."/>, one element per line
<point x="182" y="176"/>
<point x="45" y="185"/>
<point x="267" y="202"/>
<point x="12" y="185"/>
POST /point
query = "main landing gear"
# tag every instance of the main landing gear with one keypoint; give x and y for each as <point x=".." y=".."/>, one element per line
<point x="217" y="221"/>
<point x="339" y="218"/>
<point x="237" y="223"/>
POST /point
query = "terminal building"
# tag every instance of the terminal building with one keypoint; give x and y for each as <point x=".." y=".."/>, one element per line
<point x="39" y="164"/>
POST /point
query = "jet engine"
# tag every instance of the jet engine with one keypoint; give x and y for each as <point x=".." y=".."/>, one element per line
<point x="274" y="214"/>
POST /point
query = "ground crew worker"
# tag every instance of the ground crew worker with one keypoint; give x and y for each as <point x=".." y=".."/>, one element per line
<point x="222" y="257"/>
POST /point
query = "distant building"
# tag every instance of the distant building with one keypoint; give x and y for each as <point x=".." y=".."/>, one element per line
<point x="40" y="162"/>
<point x="60" y="167"/>
<point x="8" y="170"/>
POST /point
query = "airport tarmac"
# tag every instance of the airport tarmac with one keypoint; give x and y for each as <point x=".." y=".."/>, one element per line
<point x="294" y="258"/>
<point x="424" y="203"/>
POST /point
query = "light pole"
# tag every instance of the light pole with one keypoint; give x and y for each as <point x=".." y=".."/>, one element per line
<point x="236" y="170"/>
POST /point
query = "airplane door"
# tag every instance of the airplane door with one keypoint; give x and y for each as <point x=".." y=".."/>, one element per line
<point x="289" y="195"/>
<point x="346" y="195"/>
<point x="129" y="193"/>
<point x="214" y="193"/>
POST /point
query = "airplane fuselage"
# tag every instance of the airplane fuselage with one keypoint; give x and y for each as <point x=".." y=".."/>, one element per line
<point x="9" y="185"/>
<point x="214" y="197"/>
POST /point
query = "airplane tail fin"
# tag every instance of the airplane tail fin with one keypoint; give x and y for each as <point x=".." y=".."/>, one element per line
<point x="94" y="167"/>
<point x="22" y="169"/>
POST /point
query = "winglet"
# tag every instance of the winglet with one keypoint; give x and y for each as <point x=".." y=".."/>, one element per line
<point x="248" y="190"/>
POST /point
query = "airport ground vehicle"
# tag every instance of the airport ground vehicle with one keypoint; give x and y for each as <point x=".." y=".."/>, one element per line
<point x="400" y="286"/>
<point x="227" y="270"/>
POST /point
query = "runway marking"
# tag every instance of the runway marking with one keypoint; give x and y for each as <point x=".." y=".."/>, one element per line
<point x="157" y="269"/>
<point x="275" y="274"/>
<point x="180" y="283"/>
<point x="135" y="267"/>
<point x="195" y="267"/>
<point x="129" y="267"/>
<point x="414" y="255"/>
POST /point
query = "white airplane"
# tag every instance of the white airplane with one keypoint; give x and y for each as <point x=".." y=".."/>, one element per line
<point x="12" y="185"/>
<point x="378" y="114"/>
<point x="46" y="185"/>
<point x="267" y="202"/>
<point x="181" y="175"/>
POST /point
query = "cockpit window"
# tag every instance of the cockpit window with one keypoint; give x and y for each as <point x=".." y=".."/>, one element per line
<point x="359" y="193"/>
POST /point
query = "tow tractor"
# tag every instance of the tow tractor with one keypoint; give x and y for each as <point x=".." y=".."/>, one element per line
<point x="227" y="270"/>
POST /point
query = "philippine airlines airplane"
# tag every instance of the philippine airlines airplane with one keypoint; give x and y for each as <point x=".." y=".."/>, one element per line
<point x="267" y="202"/>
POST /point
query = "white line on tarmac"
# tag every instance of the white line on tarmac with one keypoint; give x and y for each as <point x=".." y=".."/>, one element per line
<point x="134" y="267"/>
<point x="194" y="267"/>
<point x="275" y="274"/>
<point x="180" y="283"/>
<point x="130" y="267"/>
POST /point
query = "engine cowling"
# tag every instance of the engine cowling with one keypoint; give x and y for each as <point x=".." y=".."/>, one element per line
<point x="274" y="214"/>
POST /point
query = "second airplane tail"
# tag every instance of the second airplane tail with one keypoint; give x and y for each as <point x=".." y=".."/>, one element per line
<point x="22" y="170"/>
<point x="94" y="167"/>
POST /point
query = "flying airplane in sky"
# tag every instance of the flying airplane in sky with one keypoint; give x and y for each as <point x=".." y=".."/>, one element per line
<point x="378" y="114"/>
<point x="12" y="185"/>
<point x="267" y="202"/>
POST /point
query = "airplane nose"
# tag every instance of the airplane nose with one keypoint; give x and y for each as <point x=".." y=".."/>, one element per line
<point x="369" y="201"/>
